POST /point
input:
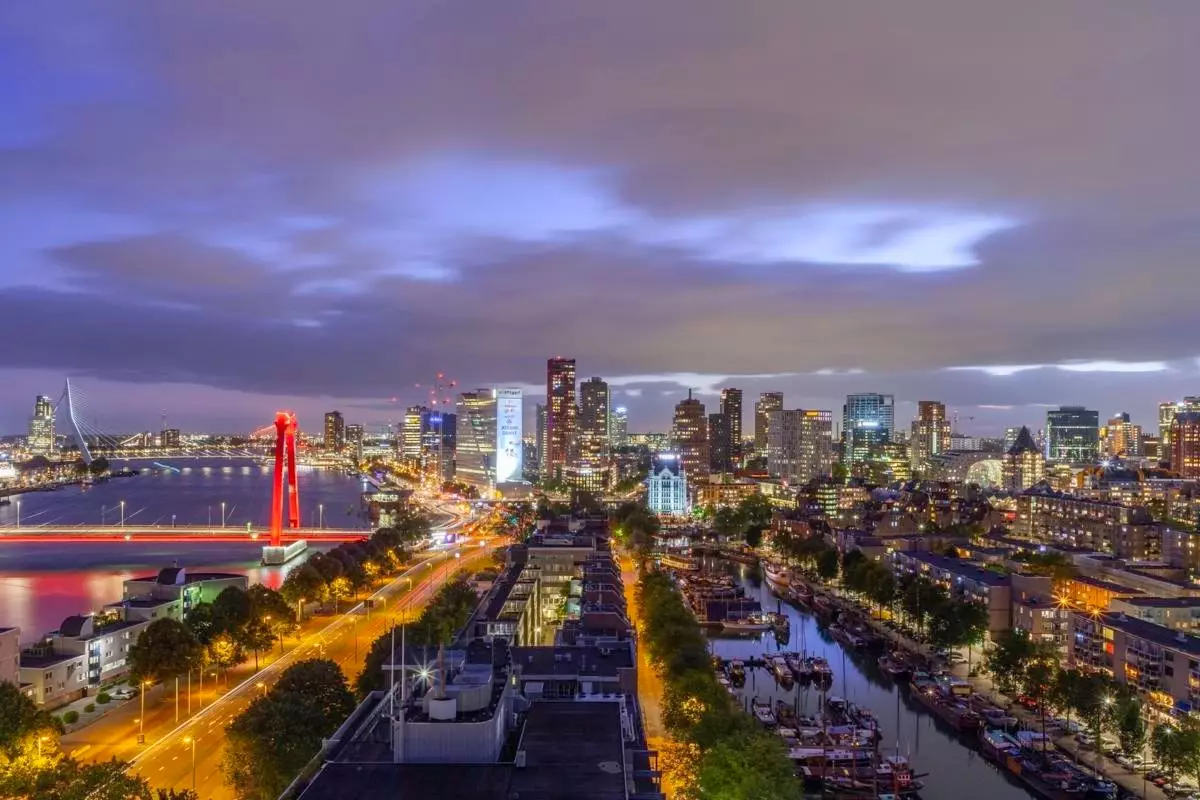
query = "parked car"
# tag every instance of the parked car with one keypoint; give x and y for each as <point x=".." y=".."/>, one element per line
<point x="124" y="693"/>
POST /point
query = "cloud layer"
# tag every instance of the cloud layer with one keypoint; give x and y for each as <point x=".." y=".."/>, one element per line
<point x="296" y="203"/>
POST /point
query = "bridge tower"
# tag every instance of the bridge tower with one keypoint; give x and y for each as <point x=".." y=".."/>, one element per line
<point x="285" y="461"/>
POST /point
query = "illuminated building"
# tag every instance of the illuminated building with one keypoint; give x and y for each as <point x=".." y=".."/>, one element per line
<point x="868" y="421"/>
<point x="1185" y="444"/>
<point x="689" y="437"/>
<point x="1121" y="438"/>
<point x="475" y="434"/>
<point x="41" y="440"/>
<point x="930" y="433"/>
<point x="1072" y="435"/>
<point x="1010" y="437"/>
<point x="667" y="486"/>
<point x="169" y="437"/>
<point x="800" y="444"/>
<point x="767" y="402"/>
<point x="354" y="441"/>
<point x="539" y="420"/>
<point x="560" y="415"/>
<point x="593" y="421"/>
<point x="723" y="492"/>
<point x="586" y="477"/>
<point x="618" y="427"/>
<point x="335" y="431"/>
<point x="731" y="407"/>
<point x="412" y="432"/>
<point x="1161" y="664"/>
<point x="1166" y="415"/>
<point x="1024" y="464"/>
<point x="720" y="443"/>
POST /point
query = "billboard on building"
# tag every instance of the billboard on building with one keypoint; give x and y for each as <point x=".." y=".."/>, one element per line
<point x="508" y="435"/>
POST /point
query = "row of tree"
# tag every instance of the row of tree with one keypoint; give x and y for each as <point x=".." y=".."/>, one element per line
<point x="269" y="743"/>
<point x="32" y="765"/>
<point x="745" y="522"/>
<point x="717" y="751"/>
<point x="353" y="566"/>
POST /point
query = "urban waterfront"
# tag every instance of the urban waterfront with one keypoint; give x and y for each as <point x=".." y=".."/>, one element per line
<point x="41" y="584"/>
<point x="952" y="763"/>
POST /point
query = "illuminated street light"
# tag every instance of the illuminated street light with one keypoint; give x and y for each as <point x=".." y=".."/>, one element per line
<point x="190" y="741"/>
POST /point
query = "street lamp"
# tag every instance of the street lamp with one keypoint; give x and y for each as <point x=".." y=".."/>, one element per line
<point x="172" y="520"/>
<point x="300" y="610"/>
<point x="222" y="513"/>
<point x="190" y="741"/>
<point x="122" y="513"/>
<point x="142" y="718"/>
<point x="321" y="511"/>
<point x="18" y="513"/>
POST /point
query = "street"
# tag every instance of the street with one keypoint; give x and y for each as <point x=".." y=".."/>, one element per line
<point x="176" y="754"/>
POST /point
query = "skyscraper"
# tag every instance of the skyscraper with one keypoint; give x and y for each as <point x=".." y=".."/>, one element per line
<point x="560" y="415"/>
<point x="930" y="433"/>
<point x="539" y="434"/>
<point x="618" y="427"/>
<point x="475" y="436"/>
<point x="800" y="444"/>
<point x="1024" y="464"/>
<point x="1185" y="444"/>
<point x="689" y="435"/>
<point x="412" y="432"/>
<point x="593" y="421"/>
<point x="1122" y="438"/>
<point x="1166" y="415"/>
<point x="731" y="407"/>
<point x="767" y="402"/>
<point x="41" y="441"/>
<point x="1072" y="435"/>
<point x="335" y="432"/>
<point x="868" y="421"/>
<point x="354" y="441"/>
<point x="720" y="442"/>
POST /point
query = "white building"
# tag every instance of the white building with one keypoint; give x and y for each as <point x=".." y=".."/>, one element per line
<point x="488" y="429"/>
<point x="667" y="487"/>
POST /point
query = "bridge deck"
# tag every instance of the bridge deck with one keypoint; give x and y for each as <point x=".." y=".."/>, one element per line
<point x="153" y="533"/>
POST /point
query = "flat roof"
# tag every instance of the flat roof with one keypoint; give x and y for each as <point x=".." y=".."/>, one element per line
<point x="1163" y="602"/>
<point x="540" y="661"/>
<point x="1106" y="585"/>
<point x="960" y="567"/>
<point x="41" y="662"/>
<point x="1167" y="637"/>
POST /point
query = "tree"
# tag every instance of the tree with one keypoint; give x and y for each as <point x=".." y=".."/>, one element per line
<point x="828" y="564"/>
<point x="302" y="583"/>
<point x="224" y="652"/>
<point x="756" y="511"/>
<point x="231" y="610"/>
<point x="165" y="650"/>
<point x="1130" y="722"/>
<point x="756" y="766"/>
<point x="753" y="536"/>
<point x="728" y="522"/>
<point x="201" y="622"/>
<point x="1008" y="660"/>
<point x="271" y="741"/>
<point x="21" y="720"/>
<point x="99" y="466"/>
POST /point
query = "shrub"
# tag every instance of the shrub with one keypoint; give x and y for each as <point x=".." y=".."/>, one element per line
<point x="89" y="708"/>
<point x="103" y="698"/>
<point x="70" y="718"/>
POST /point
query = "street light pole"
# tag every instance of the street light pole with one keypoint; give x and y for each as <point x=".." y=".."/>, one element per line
<point x="192" y="742"/>
<point x="18" y="513"/>
<point x="172" y="520"/>
<point x="222" y="513"/>
<point x="122" y="513"/>
<point x="321" y="510"/>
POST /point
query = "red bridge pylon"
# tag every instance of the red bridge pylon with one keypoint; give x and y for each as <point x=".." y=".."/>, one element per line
<point x="285" y="447"/>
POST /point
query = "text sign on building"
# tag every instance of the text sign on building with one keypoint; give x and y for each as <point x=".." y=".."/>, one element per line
<point x="508" y="435"/>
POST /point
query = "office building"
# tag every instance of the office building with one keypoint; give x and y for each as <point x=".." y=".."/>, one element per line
<point x="800" y="444"/>
<point x="1120" y="438"/>
<point x="354" y="441"/>
<point x="510" y="433"/>
<point x="560" y="415"/>
<point x="475" y="434"/>
<point x="667" y="486"/>
<point x="41" y="441"/>
<point x="1185" y="444"/>
<point x="412" y="433"/>
<point x="689" y="437"/>
<point x="1010" y="437"/>
<point x="618" y="427"/>
<point x="168" y="438"/>
<point x="593" y="422"/>
<point x="539" y="440"/>
<point x="930" y="433"/>
<point x="767" y="402"/>
<point x="731" y="407"/>
<point x="335" y="432"/>
<point x="1166" y="415"/>
<point x="1072" y="435"/>
<point x="720" y="443"/>
<point x="1024" y="465"/>
<point x="868" y="422"/>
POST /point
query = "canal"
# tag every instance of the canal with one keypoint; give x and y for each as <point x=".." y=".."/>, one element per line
<point x="956" y="770"/>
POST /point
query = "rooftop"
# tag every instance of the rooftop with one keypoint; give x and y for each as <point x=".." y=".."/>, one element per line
<point x="540" y="661"/>
<point x="1163" y="602"/>
<point x="31" y="661"/>
<point x="1165" y="637"/>
<point x="168" y="576"/>
<point x="959" y="567"/>
<point x="1107" y="586"/>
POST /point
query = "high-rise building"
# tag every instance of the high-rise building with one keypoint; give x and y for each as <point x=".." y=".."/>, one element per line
<point x="560" y="415"/>
<point x="354" y="441"/>
<point x="593" y="421"/>
<point x="1024" y="464"/>
<point x="667" y="486"/>
<point x="475" y="435"/>
<point x="510" y="431"/>
<point x="767" y="402"/>
<point x="689" y="436"/>
<point x="41" y="441"/>
<point x="720" y="442"/>
<point x="1010" y="437"/>
<point x="1185" y="444"/>
<point x="930" y="433"/>
<point x="412" y="433"/>
<point x="335" y="431"/>
<point x="618" y="427"/>
<point x="800" y="444"/>
<point x="868" y="421"/>
<point x="1166" y="415"/>
<point x="168" y="438"/>
<point x="539" y="433"/>
<point x="1072" y="435"/>
<point x="731" y="407"/>
<point x="1121" y="438"/>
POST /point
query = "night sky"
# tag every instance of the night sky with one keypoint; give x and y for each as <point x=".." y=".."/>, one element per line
<point x="217" y="208"/>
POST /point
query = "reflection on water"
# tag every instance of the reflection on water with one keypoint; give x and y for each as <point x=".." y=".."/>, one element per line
<point x="955" y="769"/>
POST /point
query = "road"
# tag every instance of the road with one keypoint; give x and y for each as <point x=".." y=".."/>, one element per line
<point x="167" y="533"/>
<point x="166" y="760"/>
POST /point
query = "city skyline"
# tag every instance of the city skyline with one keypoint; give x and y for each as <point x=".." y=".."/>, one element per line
<point x="910" y="229"/>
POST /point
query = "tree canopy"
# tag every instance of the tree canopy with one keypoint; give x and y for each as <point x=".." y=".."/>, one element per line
<point x="165" y="650"/>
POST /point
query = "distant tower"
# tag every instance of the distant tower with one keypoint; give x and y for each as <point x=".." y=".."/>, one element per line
<point x="689" y="436"/>
<point x="561" y="414"/>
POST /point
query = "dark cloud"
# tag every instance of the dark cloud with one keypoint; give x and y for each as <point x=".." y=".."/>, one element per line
<point x="293" y="198"/>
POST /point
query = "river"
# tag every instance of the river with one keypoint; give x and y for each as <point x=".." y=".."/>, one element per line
<point x="41" y="584"/>
<point x="955" y="769"/>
